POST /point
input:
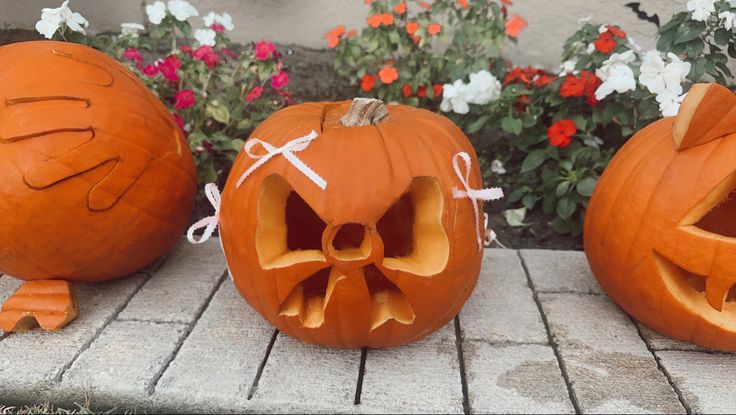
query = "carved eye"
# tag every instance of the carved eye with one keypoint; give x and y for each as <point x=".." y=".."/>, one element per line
<point x="716" y="214"/>
<point x="288" y="230"/>
<point x="413" y="236"/>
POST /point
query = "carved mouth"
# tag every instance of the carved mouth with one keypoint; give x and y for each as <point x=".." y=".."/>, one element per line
<point x="709" y="297"/>
<point x="310" y="298"/>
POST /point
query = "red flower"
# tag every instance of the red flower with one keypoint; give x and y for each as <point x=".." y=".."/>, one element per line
<point x="437" y="89"/>
<point x="400" y="8"/>
<point x="254" y="94"/>
<point x="425" y="5"/>
<point x="288" y="99"/>
<point x="218" y="28"/>
<point x="179" y="121"/>
<point x="264" y="50"/>
<point x="605" y="42"/>
<point x="592" y="82"/>
<point x="368" y="82"/>
<point x="168" y="68"/>
<point x="617" y="32"/>
<point x="207" y="55"/>
<point x="560" y="133"/>
<point x="412" y="27"/>
<point x="543" y="80"/>
<point x="334" y="35"/>
<point x="422" y="91"/>
<point x="228" y="52"/>
<point x="434" y="28"/>
<point x="132" y="54"/>
<point x="279" y="80"/>
<point x="186" y="49"/>
<point x="388" y="74"/>
<point x="184" y="99"/>
<point x="173" y="60"/>
<point x="406" y="90"/>
<point x="572" y="86"/>
<point x="515" y="25"/>
<point x="150" y="70"/>
<point x="463" y="4"/>
<point x="522" y="103"/>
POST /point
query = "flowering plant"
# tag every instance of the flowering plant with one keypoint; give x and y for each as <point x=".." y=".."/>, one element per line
<point x="411" y="47"/>
<point x="216" y="94"/>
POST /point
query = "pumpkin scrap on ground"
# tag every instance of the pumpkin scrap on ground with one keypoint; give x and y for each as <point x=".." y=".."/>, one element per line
<point x="358" y="240"/>
<point x="98" y="180"/>
<point x="50" y="303"/>
<point x="660" y="231"/>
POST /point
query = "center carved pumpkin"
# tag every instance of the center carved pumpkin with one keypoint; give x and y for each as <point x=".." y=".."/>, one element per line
<point x="660" y="232"/>
<point x="383" y="256"/>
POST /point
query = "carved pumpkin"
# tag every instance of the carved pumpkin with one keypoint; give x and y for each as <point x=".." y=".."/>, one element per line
<point x="97" y="179"/>
<point x="660" y="232"/>
<point x="384" y="255"/>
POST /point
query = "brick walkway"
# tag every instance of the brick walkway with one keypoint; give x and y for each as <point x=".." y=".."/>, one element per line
<point x="536" y="336"/>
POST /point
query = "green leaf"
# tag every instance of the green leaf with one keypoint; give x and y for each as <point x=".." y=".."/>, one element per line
<point x="561" y="226"/>
<point x="237" y="144"/>
<point x="586" y="186"/>
<point x="533" y="160"/>
<point x="512" y="125"/>
<point x="694" y="48"/>
<point x="218" y="111"/>
<point x="565" y="208"/>
<point x="688" y="31"/>
<point x="476" y="125"/>
<point x="562" y="188"/>
<point x="722" y="36"/>
<point x="515" y="217"/>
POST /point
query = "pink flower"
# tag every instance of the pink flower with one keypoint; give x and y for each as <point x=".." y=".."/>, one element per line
<point x="186" y="49"/>
<point x="279" y="80"/>
<point x="132" y="54"/>
<point x="184" y="99"/>
<point x="264" y="50"/>
<point x="218" y="28"/>
<point x="179" y="120"/>
<point x="228" y="52"/>
<point x="288" y="99"/>
<point x="207" y="55"/>
<point x="254" y="94"/>
<point x="200" y="149"/>
<point x="174" y="61"/>
<point x="168" y="70"/>
<point x="150" y="70"/>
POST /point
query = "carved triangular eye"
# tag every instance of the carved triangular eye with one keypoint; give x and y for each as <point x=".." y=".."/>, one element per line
<point x="412" y="232"/>
<point x="288" y="229"/>
<point x="716" y="214"/>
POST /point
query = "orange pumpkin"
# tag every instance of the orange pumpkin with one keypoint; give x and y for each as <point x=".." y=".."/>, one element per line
<point x="98" y="180"/>
<point x="384" y="255"/>
<point x="660" y="232"/>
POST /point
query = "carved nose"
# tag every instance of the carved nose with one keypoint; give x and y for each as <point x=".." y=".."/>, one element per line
<point x="350" y="242"/>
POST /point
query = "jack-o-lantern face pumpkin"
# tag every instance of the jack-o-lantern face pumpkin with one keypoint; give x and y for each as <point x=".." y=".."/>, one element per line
<point x="383" y="255"/>
<point x="660" y="232"/>
<point x="97" y="179"/>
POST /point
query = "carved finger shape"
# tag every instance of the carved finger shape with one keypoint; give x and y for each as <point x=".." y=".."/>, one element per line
<point x="413" y="236"/>
<point x="288" y="230"/>
<point x="309" y="298"/>
<point x="387" y="301"/>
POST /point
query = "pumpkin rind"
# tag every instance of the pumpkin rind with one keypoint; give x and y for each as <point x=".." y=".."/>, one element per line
<point x="647" y="234"/>
<point x="98" y="180"/>
<point x="367" y="169"/>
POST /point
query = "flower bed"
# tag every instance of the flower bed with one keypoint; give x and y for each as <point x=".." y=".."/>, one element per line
<point x="544" y="136"/>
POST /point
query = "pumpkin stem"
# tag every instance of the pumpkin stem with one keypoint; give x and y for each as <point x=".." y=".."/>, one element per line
<point x="365" y="111"/>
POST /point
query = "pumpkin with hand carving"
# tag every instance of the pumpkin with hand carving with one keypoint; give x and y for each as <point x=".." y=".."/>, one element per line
<point x="660" y="230"/>
<point x="97" y="179"/>
<point x="383" y="255"/>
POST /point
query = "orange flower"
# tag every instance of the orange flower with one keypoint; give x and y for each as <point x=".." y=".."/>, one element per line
<point x="425" y="5"/>
<point x="416" y="39"/>
<point x="368" y="82"/>
<point x="515" y="25"/>
<point x="334" y="35"/>
<point x="463" y="4"/>
<point x="351" y="33"/>
<point x="383" y="19"/>
<point x="388" y="74"/>
<point x="400" y="8"/>
<point x="412" y="27"/>
<point x="368" y="2"/>
<point x="434" y="28"/>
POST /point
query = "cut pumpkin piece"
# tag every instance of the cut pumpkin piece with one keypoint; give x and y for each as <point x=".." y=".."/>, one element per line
<point x="708" y="112"/>
<point x="49" y="304"/>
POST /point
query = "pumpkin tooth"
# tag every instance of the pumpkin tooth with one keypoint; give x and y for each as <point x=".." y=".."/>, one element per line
<point x="716" y="290"/>
<point x="387" y="300"/>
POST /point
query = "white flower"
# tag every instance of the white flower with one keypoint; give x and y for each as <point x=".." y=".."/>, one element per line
<point x="497" y="167"/>
<point x="669" y="102"/>
<point x="224" y="19"/>
<point x="729" y="20"/>
<point x="454" y="97"/>
<point x="620" y="58"/>
<point x="618" y="77"/>
<point x="658" y="76"/>
<point x="131" y="29"/>
<point x="603" y="29"/>
<point x="568" y="67"/>
<point x="483" y="88"/>
<point x="590" y="49"/>
<point x="182" y="10"/>
<point x="634" y="46"/>
<point x="53" y="19"/>
<point x="205" y="37"/>
<point x="156" y="12"/>
<point x="701" y="9"/>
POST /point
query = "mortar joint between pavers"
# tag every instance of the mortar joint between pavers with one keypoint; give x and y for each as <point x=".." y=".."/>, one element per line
<point x="461" y="365"/>
<point x="550" y="337"/>
<point x="262" y="365"/>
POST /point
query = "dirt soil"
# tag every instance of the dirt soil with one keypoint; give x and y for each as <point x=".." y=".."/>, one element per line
<point x="313" y="78"/>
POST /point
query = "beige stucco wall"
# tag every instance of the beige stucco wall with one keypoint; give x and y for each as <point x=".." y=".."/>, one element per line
<point x="304" y="22"/>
